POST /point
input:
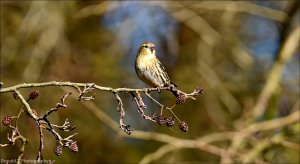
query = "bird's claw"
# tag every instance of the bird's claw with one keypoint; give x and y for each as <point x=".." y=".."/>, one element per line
<point x="158" y="89"/>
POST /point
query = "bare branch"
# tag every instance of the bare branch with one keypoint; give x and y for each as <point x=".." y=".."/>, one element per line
<point x="25" y="103"/>
<point x="87" y="89"/>
<point x="65" y="127"/>
<point x="273" y="124"/>
<point x="120" y="109"/>
<point x="287" y="50"/>
<point x="58" y="105"/>
<point x="41" y="147"/>
<point x="242" y="6"/>
<point x="43" y="122"/>
<point x="141" y="106"/>
<point x="76" y="85"/>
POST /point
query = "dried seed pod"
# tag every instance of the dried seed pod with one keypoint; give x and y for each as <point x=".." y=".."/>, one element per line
<point x="180" y="99"/>
<point x="73" y="147"/>
<point x="183" y="126"/>
<point x="161" y="120"/>
<point x="15" y="96"/>
<point x="58" y="150"/>
<point x="6" y="121"/>
<point x="170" y="122"/>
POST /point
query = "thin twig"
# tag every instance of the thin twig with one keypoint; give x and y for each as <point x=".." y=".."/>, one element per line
<point x="24" y="141"/>
<point x="58" y="105"/>
<point x="141" y="106"/>
<point x="76" y="85"/>
<point x="41" y="147"/>
<point x="120" y="109"/>
<point x="25" y="103"/>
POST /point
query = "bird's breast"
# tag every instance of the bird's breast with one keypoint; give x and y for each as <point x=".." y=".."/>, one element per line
<point x="145" y="61"/>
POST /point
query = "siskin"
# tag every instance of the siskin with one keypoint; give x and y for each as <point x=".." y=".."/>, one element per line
<point x="149" y="69"/>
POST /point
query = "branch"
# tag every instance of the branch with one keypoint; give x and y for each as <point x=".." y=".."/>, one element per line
<point x="120" y="109"/>
<point x="285" y="53"/>
<point x="273" y="124"/>
<point x="42" y="122"/>
<point x="41" y="147"/>
<point x="25" y="103"/>
<point x="141" y="106"/>
<point x="76" y="86"/>
<point x="58" y="105"/>
<point x="7" y="121"/>
<point x="242" y="6"/>
<point x="203" y="143"/>
<point x="89" y="87"/>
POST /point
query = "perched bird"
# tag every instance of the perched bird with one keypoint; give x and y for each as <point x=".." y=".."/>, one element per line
<point x="149" y="69"/>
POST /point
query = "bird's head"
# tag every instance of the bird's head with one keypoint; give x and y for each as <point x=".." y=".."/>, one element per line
<point x="147" y="48"/>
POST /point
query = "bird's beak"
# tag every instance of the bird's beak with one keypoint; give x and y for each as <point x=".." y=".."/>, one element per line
<point x="152" y="49"/>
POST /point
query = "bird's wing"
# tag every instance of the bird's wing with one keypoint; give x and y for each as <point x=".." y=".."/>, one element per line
<point x="164" y="73"/>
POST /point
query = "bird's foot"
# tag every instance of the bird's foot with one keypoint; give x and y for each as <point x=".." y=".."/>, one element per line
<point x="158" y="89"/>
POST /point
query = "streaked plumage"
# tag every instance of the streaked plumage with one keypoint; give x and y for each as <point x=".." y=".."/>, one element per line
<point x="149" y="69"/>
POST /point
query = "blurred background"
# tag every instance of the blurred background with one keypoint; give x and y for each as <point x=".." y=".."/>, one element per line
<point x="244" y="54"/>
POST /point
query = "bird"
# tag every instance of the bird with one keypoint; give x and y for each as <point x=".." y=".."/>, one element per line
<point x="149" y="69"/>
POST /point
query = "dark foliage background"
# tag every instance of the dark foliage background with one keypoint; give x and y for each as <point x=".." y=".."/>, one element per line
<point x="229" y="48"/>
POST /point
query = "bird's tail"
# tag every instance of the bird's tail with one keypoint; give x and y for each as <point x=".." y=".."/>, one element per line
<point x="180" y="96"/>
<point x="175" y="93"/>
<point x="174" y="90"/>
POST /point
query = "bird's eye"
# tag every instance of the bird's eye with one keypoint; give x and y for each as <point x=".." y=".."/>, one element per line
<point x="146" y="46"/>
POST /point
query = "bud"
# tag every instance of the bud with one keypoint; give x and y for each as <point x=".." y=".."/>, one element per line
<point x="183" y="126"/>
<point x="15" y="96"/>
<point x="34" y="94"/>
<point x="58" y="150"/>
<point x="6" y="121"/>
